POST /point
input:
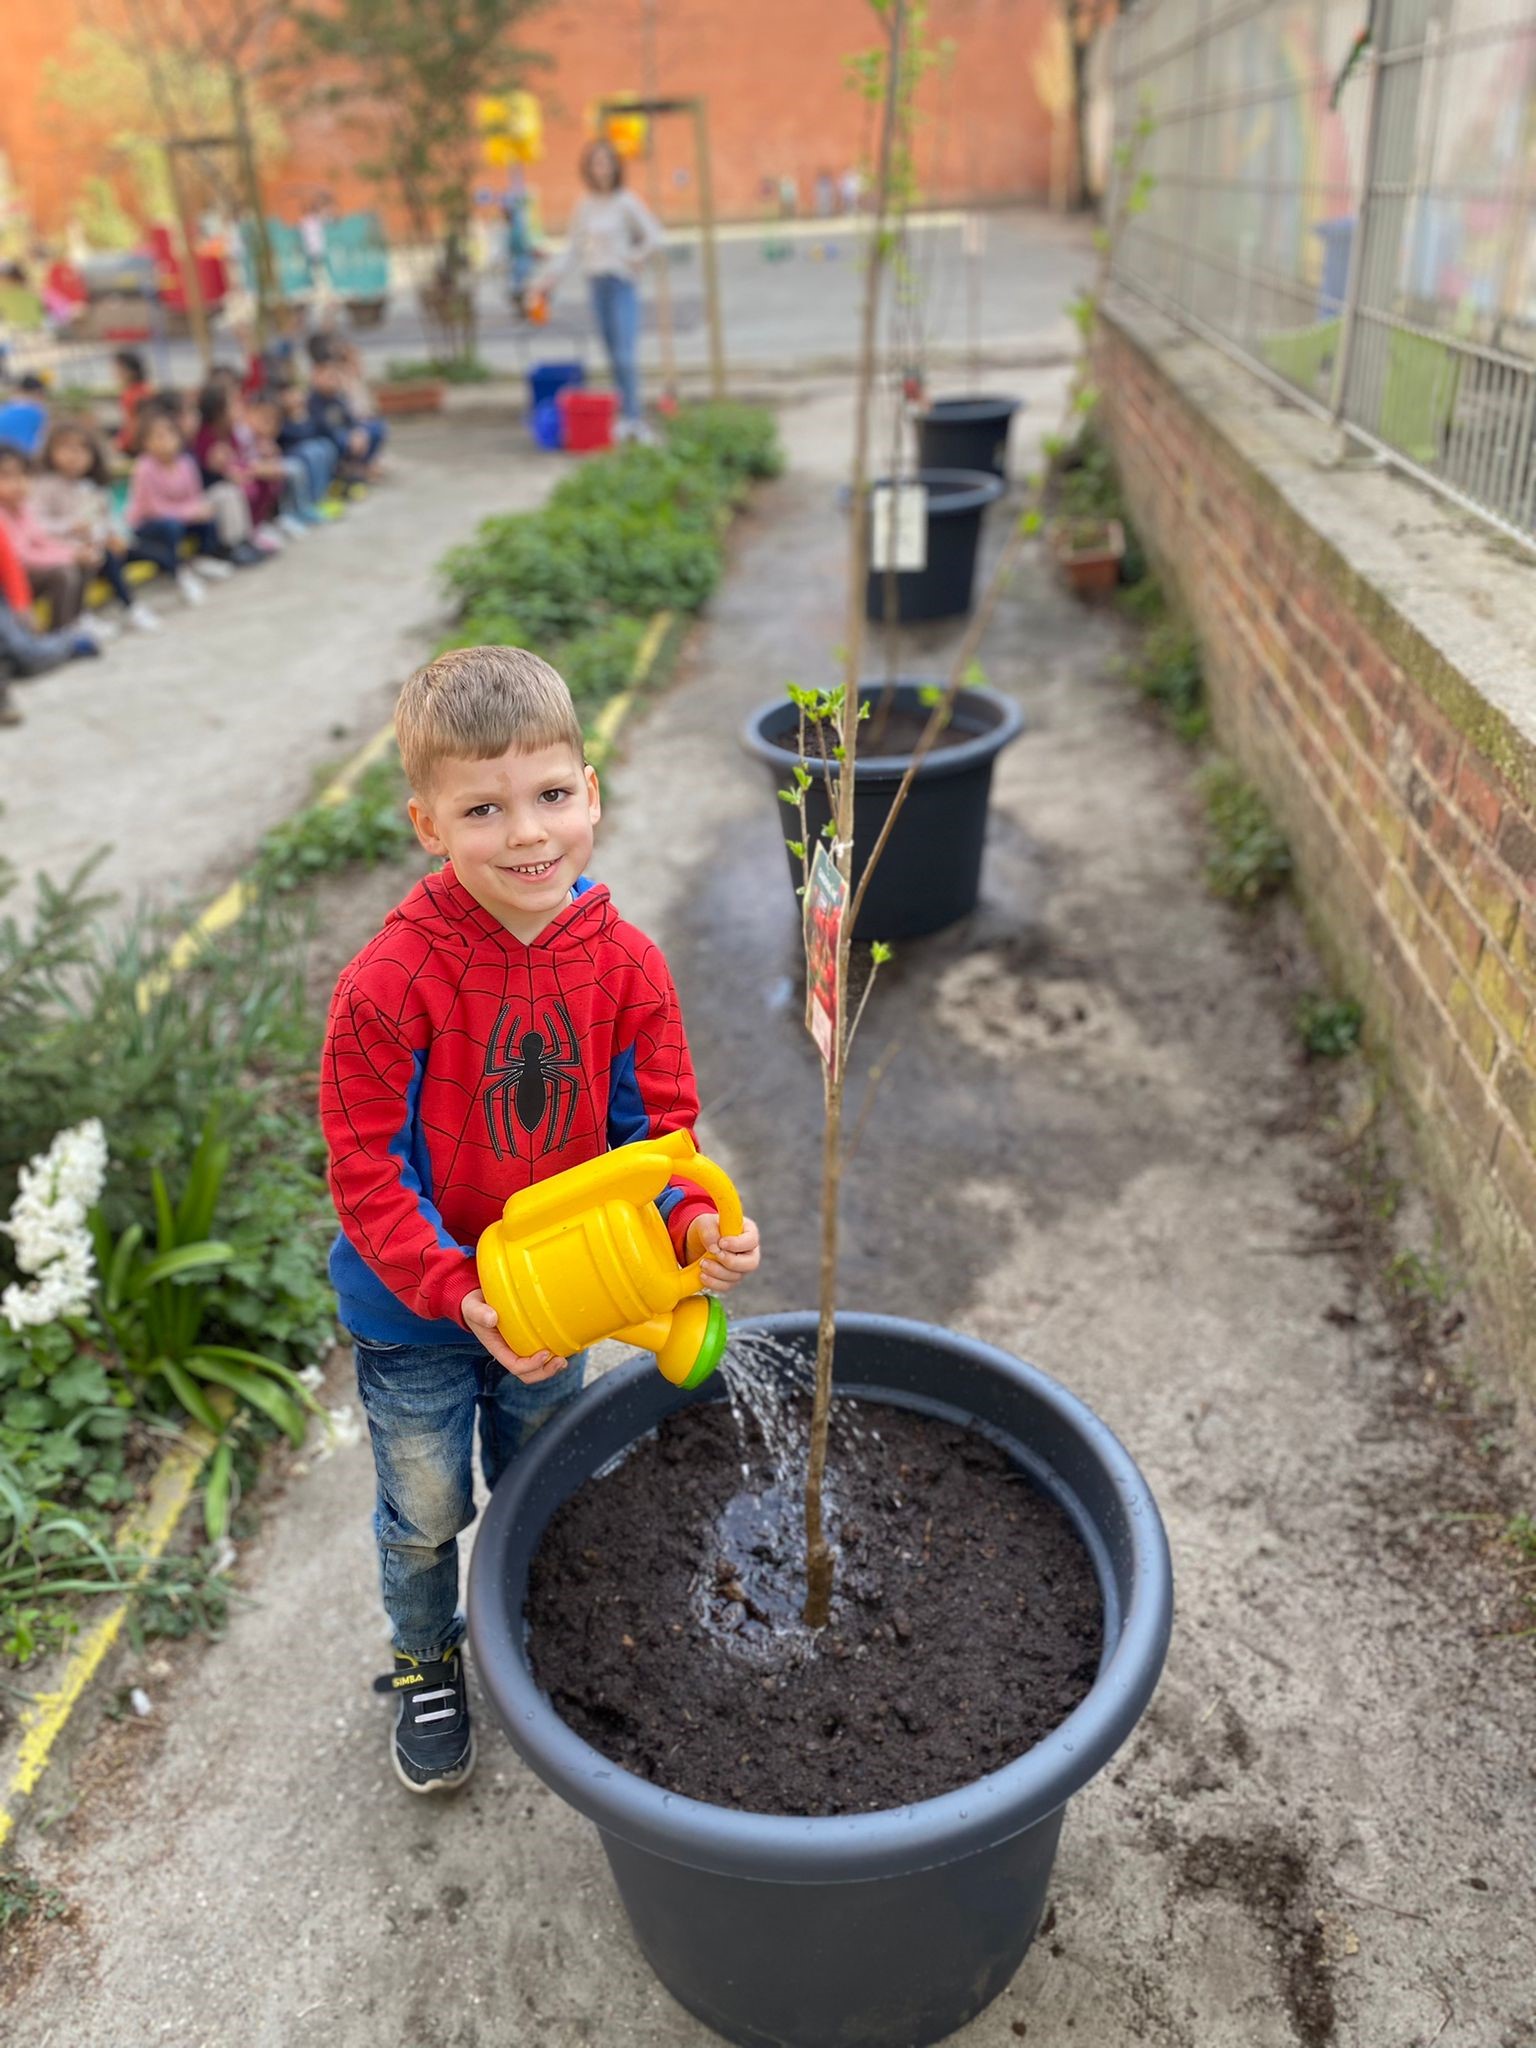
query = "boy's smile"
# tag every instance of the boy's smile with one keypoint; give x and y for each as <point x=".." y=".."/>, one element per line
<point x="518" y="829"/>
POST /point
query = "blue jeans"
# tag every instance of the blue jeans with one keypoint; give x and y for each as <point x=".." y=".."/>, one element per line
<point x="616" y="306"/>
<point x="319" y="456"/>
<point x="159" y="541"/>
<point x="421" y="1401"/>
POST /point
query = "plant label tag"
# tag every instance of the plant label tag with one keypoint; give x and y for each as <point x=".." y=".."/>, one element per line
<point x="898" y="537"/>
<point x="826" y="900"/>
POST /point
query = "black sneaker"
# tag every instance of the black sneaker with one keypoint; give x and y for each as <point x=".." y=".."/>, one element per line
<point x="434" y="1745"/>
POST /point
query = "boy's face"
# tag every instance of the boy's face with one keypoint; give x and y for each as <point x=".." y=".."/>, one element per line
<point x="517" y="828"/>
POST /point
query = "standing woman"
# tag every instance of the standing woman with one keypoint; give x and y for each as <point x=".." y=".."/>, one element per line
<point x="612" y="236"/>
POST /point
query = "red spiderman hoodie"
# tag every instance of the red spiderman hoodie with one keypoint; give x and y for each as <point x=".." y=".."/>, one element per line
<point x="461" y="1065"/>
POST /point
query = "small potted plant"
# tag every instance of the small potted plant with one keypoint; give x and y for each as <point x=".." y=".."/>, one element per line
<point x="1088" y="552"/>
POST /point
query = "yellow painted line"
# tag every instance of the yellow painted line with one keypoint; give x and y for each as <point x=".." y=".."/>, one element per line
<point x="144" y="1535"/>
<point x="617" y="709"/>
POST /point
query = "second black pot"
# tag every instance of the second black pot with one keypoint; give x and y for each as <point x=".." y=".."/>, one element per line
<point x="929" y="875"/>
<point x="957" y="498"/>
<point x="966" y="433"/>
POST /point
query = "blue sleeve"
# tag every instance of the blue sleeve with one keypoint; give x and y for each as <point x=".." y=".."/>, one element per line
<point x="628" y="1123"/>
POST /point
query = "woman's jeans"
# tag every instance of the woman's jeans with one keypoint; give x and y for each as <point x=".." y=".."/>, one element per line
<point x="422" y="1401"/>
<point x="616" y="305"/>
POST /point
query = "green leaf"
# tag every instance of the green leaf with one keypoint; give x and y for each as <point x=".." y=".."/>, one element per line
<point x="174" y="1265"/>
<point x="122" y="1265"/>
<point x="165" y="1216"/>
<point x="255" y="1388"/>
<point x="82" y="1383"/>
<point x="190" y="1395"/>
<point x="879" y="953"/>
<point x="796" y="847"/>
<point x="216" y="1491"/>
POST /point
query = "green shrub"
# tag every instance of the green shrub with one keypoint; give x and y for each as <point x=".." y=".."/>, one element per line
<point x="741" y="441"/>
<point x="598" y="664"/>
<point x="367" y="826"/>
<point x="519" y="564"/>
<point x="1330" y="1026"/>
<point x="1170" y="672"/>
<point x="1250" y="859"/>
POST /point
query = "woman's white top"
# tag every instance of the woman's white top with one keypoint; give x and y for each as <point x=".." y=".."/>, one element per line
<point x="612" y="234"/>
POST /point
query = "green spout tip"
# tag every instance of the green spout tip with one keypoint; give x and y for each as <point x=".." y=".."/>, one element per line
<point x="717" y="1332"/>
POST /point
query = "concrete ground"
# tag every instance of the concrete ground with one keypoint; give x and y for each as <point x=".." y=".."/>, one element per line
<point x="177" y="750"/>
<point x="1094" y="1144"/>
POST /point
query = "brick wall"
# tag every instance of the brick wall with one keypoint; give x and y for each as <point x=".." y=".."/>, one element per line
<point x="1409" y="796"/>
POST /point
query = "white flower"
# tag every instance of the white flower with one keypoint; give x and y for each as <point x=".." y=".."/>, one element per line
<point x="55" y="1194"/>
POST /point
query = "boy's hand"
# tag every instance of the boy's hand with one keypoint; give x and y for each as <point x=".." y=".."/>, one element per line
<point x="480" y="1319"/>
<point x="727" y="1260"/>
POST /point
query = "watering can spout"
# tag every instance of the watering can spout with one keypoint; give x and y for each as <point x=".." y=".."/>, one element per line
<point x="586" y="1255"/>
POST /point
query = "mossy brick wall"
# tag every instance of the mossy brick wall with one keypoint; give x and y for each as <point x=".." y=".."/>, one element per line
<point x="1410" y="802"/>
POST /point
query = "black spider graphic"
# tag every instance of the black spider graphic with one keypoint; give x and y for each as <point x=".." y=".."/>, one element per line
<point x="534" y="1082"/>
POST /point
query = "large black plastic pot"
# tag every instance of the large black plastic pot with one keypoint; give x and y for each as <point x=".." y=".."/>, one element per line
<point x="930" y="872"/>
<point x="881" y="1928"/>
<point x="966" y="433"/>
<point x="956" y="500"/>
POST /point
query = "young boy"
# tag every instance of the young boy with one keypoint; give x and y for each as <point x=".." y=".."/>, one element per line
<point x="357" y="442"/>
<point x="505" y="1024"/>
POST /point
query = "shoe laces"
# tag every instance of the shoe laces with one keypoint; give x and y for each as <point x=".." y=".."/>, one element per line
<point x="434" y="1691"/>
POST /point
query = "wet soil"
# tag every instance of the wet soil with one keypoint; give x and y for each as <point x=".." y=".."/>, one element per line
<point x="967" y="1622"/>
<point x="891" y="738"/>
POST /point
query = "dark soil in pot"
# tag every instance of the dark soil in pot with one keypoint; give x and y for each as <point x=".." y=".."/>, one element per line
<point x="663" y="1610"/>
<point x="930" y="873"/>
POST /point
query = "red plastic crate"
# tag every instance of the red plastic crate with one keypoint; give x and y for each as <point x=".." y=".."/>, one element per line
<point x="586" y="419"/>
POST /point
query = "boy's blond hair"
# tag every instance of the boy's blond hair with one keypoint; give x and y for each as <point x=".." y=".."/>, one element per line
<point x="477" y="702"/>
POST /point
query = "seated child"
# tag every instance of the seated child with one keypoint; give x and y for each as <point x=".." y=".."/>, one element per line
<point x="69" y="501"/>
<point x="300" y="510"/>
<point x="23" y="650"/>
<point x="56" y="568"/>
<point x="357" y="441"/>
<point x="231" y="512"/>
<point x="224" y="455"/>
<point x="427" y="1140"/>
<point x="133" y="387"/>
<point x="167" y="504"/>
<point x="299" y="440"/>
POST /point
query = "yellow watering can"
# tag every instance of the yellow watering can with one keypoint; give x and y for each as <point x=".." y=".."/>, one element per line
<point x="585" y="1255"/>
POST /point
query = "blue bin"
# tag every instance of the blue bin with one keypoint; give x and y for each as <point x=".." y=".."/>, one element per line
<point x="545" y="379"/>
<point x="544" y="424"/>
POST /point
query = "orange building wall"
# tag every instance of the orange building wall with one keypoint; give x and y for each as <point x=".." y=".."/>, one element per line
<point x="772" y="71"/>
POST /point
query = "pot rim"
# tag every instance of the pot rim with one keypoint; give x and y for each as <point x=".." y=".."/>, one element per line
<point x="965" y="491"/>
<point x="789" y="1849"/>
<point x="939" y="762"/>
<point x="971" y="409"/>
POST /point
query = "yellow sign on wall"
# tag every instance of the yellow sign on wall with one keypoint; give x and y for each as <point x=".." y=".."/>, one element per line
<point x="512" y="125"/>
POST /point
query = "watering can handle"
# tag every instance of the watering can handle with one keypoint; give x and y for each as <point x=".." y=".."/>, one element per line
<point x="714" y="1181"/>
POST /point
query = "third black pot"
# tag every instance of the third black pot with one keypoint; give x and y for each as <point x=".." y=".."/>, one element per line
<point x="966" y="433"/>
<point x="930" y="873"/>
<point x="874" y="1929"/>
<point x="957" y="498"/>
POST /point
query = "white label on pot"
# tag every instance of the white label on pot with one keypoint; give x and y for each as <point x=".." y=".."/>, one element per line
<point x="898" y="537"/>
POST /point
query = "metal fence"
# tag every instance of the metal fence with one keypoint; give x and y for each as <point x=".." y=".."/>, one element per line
<point x="1376" y="256"/>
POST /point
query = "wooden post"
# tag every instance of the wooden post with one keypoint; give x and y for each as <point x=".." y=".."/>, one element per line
<point x="266" y="269"/>
<point x="653" y="183"/>
<point x="707" y="233"/>
<point x="197" y="310"/>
